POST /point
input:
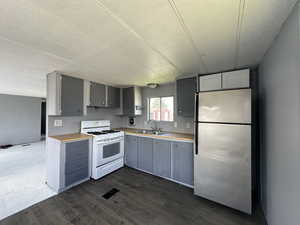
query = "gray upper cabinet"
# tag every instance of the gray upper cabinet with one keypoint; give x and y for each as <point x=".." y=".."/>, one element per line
<point x="145" y="154"/>
<point x="64" y="95"/>
<point x="162" y="158"/>
<point x="97" y="95"/>
<point x="101" y="95"/>
<point x="113" y="97"/>
<point x="210" y="82"/>
<point x="186" y="89"/>
<point x="236" y="79"/>
<point x="71" y="96"/>
<point x="132" y="101"/>
<point x="183" y="162"/>
<point x="131" y="151"/>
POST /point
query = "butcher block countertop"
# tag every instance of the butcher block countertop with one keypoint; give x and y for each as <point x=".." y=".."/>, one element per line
<point x="71" y="137"/>
<point x="165" y="134"/>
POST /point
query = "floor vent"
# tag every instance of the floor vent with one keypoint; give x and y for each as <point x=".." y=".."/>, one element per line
<point x="111" y="193"/>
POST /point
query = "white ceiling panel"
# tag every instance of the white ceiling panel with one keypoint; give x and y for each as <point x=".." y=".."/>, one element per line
<point x="157" y="23"/>
<point x="262" y="22"/>
<point x="131" y="42"/>
<point x="212" y="24"/>
<point x="23" y="69"/>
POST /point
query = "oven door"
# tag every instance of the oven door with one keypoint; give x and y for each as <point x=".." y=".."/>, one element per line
<point x="108" y="151"/>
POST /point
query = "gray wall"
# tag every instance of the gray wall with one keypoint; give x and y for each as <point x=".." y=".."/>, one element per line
<point x="280" y="126"/>
<point x="163" y="90"/>
<point x="20" y="119"/>
<point x="72" y="124"/>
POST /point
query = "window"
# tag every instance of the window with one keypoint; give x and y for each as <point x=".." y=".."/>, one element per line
<point x="161" y="108"/>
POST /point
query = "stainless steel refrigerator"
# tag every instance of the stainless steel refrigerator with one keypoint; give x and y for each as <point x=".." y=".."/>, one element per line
<point x="222" y="161"/>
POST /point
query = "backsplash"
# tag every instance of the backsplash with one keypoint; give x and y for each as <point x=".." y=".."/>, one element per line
<point x="184" y="125"/>
<point x="72" y="124"/>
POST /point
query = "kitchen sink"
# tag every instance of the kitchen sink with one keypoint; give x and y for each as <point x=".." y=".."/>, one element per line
<point x="151" y="132"/>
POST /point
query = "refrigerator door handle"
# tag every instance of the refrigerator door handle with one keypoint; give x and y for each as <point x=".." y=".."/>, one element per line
<point x="196" y="121"/>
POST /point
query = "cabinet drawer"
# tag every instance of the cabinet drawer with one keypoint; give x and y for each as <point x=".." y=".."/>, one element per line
<point x="71" y="178"/>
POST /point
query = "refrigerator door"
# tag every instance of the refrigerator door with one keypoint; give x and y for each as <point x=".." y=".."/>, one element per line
<point x="231" y="106"/>
<point x="222" y="168"/>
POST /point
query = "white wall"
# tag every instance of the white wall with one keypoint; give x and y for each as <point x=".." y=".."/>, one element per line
<point x="280" y="126"/>
<point x="20" y="119"/>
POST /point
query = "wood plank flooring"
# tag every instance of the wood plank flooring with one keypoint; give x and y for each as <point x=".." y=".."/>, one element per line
<point x="143" y="199"/>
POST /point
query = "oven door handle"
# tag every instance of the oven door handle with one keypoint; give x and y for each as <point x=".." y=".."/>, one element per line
<point x="108" y="142"/>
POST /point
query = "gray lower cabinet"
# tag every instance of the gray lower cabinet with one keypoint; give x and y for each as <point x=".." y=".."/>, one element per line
<point x="131" y="151"/>
<point x="145" y="154"/>
<point x="76" y="161"/>
<point x="169" y="159"/>
<point x="162" y="158"/>
<point x="183" y="162"/>
<point x="67" y="162"/>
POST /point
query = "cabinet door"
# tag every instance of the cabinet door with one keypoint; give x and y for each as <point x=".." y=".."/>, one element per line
<point x="76" y="162"/>
<point x="113" y="97"/>
<point x="236" y="79"/>
<point x="128" y="101"/>
<point x="210" y="82"/>
<point x="97" y="95"/>
<point x="131" y="151"/>
<point x="71" y="96"/>
<point x="183" y="162"/>
<point x="162" y="158"/>
<point x="186" y="89"/>
<point x="145" y="154"/>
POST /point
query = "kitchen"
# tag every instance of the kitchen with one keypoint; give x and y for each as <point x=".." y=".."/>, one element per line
<point x="152" y="120"/>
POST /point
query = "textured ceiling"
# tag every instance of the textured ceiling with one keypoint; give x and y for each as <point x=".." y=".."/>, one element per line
<point x="131" y="42"/>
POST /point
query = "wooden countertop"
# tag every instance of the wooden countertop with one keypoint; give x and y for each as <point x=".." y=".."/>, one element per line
<point x="166" y="135"/>
<point x="71" y="137"/>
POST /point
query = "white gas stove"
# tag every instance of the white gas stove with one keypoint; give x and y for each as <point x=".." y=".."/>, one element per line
<point x="108" y="147"/>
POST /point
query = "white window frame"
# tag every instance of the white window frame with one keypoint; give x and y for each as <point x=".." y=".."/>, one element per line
<point x="160" y="97"/>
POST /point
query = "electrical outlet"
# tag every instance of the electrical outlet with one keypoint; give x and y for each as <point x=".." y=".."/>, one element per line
<point x="58" y="123"/>
<point x="188" y="125"/>
<point x="175" y="124"/>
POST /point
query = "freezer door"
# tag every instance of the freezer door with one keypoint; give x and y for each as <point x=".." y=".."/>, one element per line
<point x="231" y="106"/>
<point x="222" y="168"/>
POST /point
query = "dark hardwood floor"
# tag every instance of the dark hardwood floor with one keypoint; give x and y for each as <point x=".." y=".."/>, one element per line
<point x="143" y="199"/>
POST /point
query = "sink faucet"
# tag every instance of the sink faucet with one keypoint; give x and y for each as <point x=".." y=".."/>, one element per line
<point x="155" y="127"/>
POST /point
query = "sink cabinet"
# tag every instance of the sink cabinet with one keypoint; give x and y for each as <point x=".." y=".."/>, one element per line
<point x="145" y="154"/>
<point x="162" y="158"/>
<point x="131" y="151"/>
<point x="173" y="160"/>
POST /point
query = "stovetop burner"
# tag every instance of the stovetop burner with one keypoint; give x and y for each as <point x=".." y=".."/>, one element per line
<point x="103" y="132"/>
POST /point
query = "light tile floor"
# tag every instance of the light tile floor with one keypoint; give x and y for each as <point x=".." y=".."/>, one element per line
<point x="22" y="178"/>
